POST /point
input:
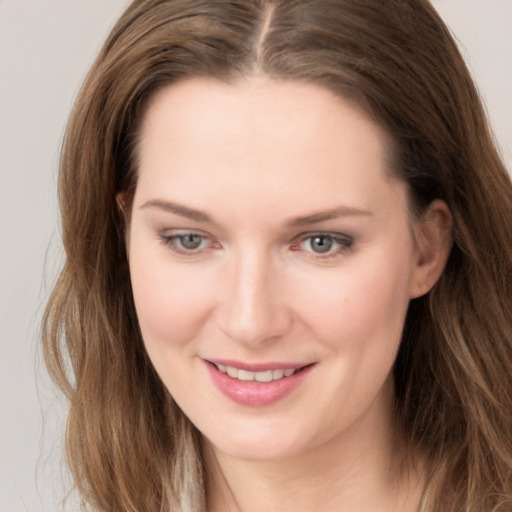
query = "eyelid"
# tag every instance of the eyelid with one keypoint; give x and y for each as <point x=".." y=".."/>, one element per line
<point x="331" y="234"/>
<point x="169" y="232"/>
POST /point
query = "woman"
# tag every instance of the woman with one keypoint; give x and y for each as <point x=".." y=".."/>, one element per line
<point x="288" y="266"/>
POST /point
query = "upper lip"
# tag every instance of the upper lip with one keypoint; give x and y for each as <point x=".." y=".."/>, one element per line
<point x="257" y="367"/>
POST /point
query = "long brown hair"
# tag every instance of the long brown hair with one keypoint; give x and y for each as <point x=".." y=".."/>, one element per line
<point x="129" y="446"/>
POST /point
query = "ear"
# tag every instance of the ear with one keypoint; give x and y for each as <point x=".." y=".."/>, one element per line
<point x="433" y="238"/>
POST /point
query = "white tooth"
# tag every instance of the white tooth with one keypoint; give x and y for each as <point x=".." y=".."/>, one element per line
<point x="277" y="374"/>
<point x="289" y="372"/>
<point x="245" y="375"/>
<point x="222" y="367"/>
<point x="263" y="376"/>
<point x="232" y="372"/>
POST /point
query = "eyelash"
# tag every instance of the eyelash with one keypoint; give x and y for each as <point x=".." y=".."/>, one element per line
<point x="342" y="243"/>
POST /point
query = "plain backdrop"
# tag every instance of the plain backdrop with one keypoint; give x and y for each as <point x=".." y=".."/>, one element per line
<point x="46" y="47"/>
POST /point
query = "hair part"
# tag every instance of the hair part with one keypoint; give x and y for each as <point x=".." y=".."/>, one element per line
<point x="129" y="446"/>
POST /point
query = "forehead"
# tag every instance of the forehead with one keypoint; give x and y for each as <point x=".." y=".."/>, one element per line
<point x="203" y="137"/>
<point x="278" y="109"/>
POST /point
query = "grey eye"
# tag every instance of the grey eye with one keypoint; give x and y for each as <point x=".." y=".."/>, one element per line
<point x="321" y="244"/>
<point x="191" y="241"/>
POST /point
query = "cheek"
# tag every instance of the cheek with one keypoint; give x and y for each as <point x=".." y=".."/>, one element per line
<point x="357" y="316"/>
<point x="363" y="305"/>
<point x="171" y="301"/>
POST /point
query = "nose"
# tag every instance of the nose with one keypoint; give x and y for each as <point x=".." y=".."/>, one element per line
<point x="252" y="308"/>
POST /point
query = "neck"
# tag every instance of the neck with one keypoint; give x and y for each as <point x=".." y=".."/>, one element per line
<point x="359" y="470"/>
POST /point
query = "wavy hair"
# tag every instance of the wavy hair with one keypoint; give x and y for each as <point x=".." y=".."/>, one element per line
<point x="129" y="447"/>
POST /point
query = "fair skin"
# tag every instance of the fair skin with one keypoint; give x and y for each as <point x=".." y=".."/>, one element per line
<point x="267" y="233"/>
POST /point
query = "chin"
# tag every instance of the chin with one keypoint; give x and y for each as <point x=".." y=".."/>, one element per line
<point x="260" y="443"/>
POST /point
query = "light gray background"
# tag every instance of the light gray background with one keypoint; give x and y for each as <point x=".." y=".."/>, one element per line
<point x="46" y="47"/>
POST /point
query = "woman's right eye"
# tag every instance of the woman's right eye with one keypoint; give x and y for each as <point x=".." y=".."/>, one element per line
<point x="187" y="243"/>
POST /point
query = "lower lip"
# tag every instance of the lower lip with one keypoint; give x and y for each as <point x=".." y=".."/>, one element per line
<point x="253" y="393"/>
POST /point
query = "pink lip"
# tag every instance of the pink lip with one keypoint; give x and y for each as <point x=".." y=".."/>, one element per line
<point x="252" y="393"/>
<point x="257" y="367"/>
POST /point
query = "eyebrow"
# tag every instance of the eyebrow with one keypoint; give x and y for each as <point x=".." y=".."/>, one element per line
<point x="177" y="209"/>
<point x="314" y="218"/>
<point x="334" y="213"/>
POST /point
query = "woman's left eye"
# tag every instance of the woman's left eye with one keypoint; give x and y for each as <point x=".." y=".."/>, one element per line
<point x="186" y="243"/>
<point x="325" y="244"/>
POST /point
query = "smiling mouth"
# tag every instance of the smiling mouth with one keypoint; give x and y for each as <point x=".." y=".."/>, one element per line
<point x="257" y="384"/>
<point x="260" y="376"/>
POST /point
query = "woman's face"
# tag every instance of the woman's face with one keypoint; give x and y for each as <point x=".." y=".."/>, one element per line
<point x="267" y="237"/>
